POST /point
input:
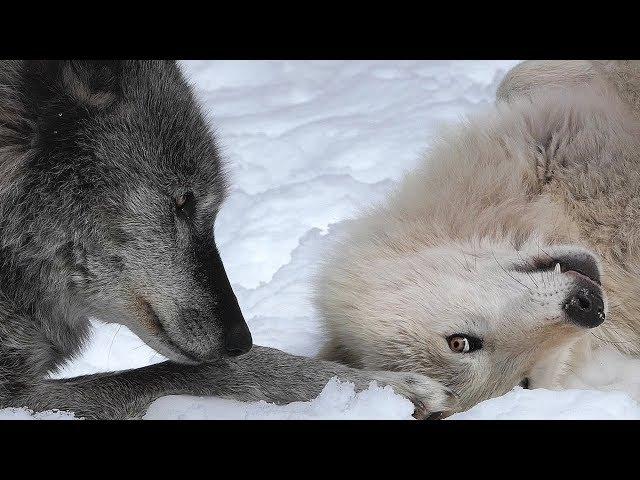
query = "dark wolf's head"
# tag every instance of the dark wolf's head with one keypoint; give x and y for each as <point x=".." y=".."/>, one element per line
<point x="111" y="181"/>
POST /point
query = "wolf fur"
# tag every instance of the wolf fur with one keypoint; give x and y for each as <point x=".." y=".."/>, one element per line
<point x="110" y="181"/>
<point x="551" y="172"/>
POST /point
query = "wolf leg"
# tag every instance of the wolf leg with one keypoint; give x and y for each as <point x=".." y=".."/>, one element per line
<point x="262" y="374"/>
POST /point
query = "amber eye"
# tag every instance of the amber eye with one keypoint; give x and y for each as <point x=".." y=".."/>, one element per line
<point x="185" y="203"/>
<point x="463" y="343"/>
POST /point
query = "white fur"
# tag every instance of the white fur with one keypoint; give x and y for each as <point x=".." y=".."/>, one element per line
<point x="554" y="168"/>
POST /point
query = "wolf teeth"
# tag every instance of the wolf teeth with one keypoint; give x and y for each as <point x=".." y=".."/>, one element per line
<point x="557" y="269"/>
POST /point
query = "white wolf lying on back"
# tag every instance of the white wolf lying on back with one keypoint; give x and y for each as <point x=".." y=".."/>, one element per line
<point x="497" y="262"/>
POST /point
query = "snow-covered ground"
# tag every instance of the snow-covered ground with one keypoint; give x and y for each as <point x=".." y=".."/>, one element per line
<point x="309" y="143"/>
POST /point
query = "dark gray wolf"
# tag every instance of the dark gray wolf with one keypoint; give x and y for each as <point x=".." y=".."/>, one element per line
<point x="499" y="259"/>
<point x="110" y="181"/>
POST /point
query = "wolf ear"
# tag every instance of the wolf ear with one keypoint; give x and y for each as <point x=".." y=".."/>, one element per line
<point x="90" y="83"/>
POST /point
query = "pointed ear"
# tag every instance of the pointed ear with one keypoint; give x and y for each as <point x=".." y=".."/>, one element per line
<point x="88" y="83"/>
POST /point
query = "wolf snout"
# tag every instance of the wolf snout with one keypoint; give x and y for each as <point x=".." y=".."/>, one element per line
<point x="237" y="340"/>
<point x="585" y="306"/>
<point x="585" y="303"/>
<point x="236" y="337"/>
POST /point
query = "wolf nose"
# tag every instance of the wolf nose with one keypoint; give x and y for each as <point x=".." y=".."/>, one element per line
<point x="585" y="307"/>
<point x="237" y="340"/>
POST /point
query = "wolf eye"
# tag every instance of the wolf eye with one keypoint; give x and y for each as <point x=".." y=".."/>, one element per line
<point x="185" y="203"/>
<point x="463" y="343"/>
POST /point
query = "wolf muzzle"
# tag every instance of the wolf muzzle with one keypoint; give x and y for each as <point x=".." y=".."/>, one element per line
<point x="584" y="306"/>
<point x="236" y="334"/>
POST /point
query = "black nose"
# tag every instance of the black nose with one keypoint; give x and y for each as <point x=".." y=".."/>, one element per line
<point x="237" y="339"/>
<point x="585" y="307"/>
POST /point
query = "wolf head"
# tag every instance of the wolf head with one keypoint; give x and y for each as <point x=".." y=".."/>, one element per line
<point x="485" y="268"/>
<point x="113" y="201"/>
<point x="478" y="317"/>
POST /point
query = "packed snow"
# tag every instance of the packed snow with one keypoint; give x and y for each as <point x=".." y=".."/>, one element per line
<point x="309" y="143"/>
<point x="338" y="400"/>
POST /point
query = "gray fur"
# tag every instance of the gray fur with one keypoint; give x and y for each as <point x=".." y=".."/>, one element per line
<point x="93" y="157"/>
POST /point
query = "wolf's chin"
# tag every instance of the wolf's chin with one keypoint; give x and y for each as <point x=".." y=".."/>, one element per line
<point x="161" y="343"/>
<point x="154" y="335"/>
<point x="164" y="345"/>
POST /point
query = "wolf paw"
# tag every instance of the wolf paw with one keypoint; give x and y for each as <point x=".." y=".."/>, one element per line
<point x="431" y="399"/>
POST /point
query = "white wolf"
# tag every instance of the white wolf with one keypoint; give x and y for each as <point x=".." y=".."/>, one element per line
<point x="498" y="261"/>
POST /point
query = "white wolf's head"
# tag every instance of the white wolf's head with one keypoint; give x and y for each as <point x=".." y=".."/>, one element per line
<point x="480" y="318"/>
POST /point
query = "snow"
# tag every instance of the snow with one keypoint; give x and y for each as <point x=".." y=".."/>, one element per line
<point x="309" y="143"/>
<point x="541" y="404"/>
<point x="337" y="401"/>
